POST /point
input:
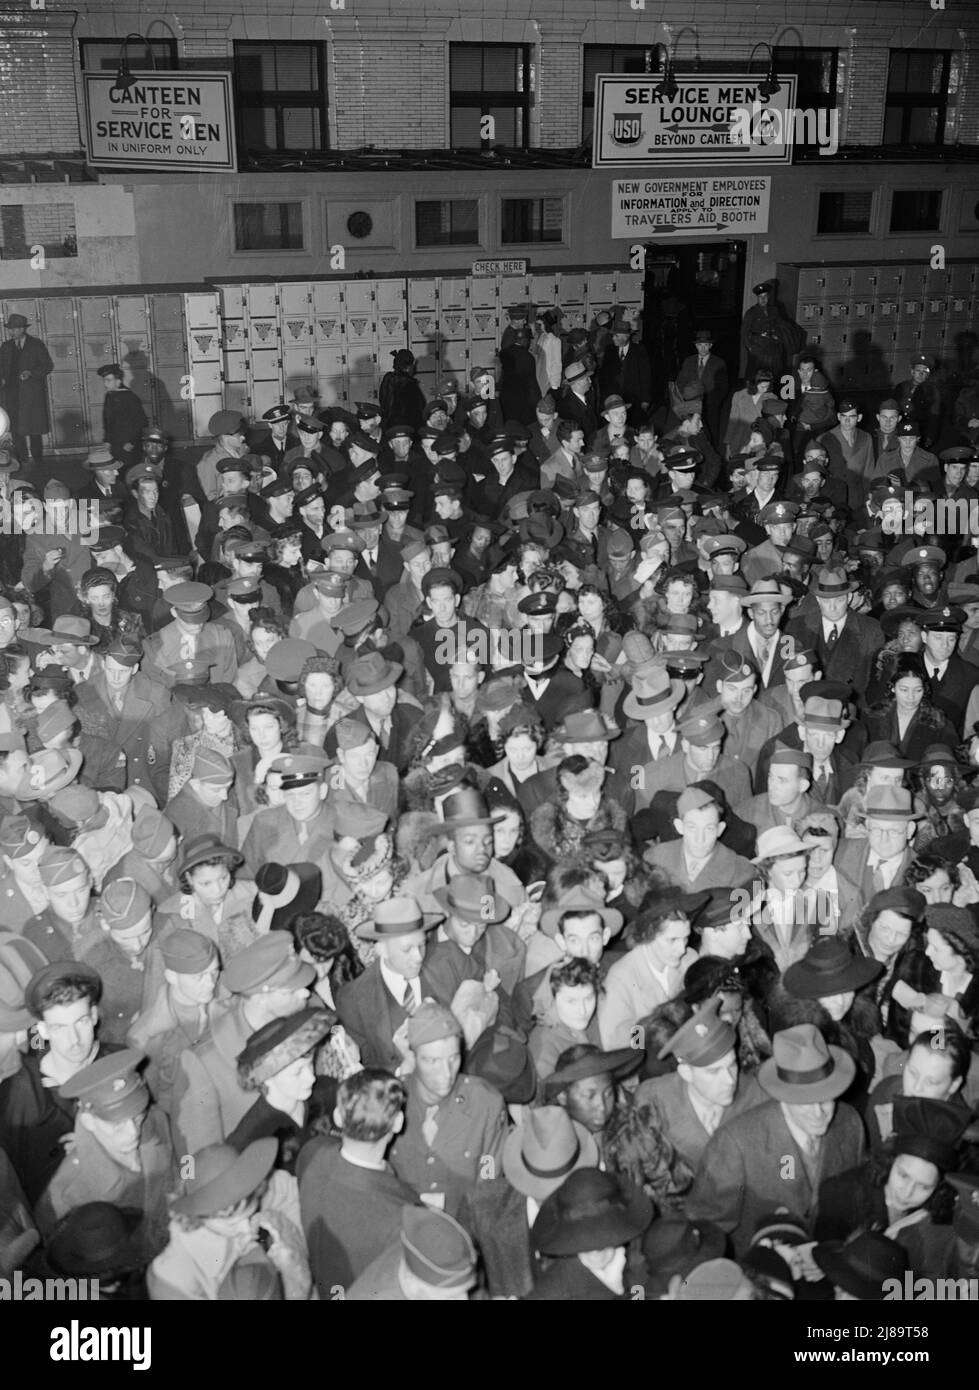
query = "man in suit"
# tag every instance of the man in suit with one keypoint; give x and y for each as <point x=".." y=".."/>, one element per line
<point x="584" y="732"/>
<point x="879" y="861"/>
<point x="25" y="365"/>
<point x="626" y="372"/>
<point x="761" y="641"/>
<point x="543" y="436"/>
<point x="374" y="1007"/>
<point x="697" y="860"/>
<point x="952" y="678"/>
<point x="776" y="1154"/>
<point x="651" y="701"/>
<point x="349" y="1198"/>
<point x="836" y="899"/>
<point x="190" y="637"/>
<point x="845" y="643"/>
<point x="575" y="401"/>
<point x="833" y="771"/>
<point x="709" y="371"/>
<point x="105" y="486"/>
<point x="266" y="980"/>
<point x="470" y="827"/>
<point x="550" y="688"/>
<point x="707" y="1087"/>
<point x="128" y="723"/>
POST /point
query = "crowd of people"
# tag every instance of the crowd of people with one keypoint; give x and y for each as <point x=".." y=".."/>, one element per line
<point x="520" y="844"/>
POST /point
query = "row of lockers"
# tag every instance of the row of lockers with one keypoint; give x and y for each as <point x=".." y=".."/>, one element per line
<point x="145" y="334"/>
<point x="252" y="345"/>
<point x="876" y="282"/>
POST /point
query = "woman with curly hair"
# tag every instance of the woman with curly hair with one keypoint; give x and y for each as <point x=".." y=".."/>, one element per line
<point x="494" y="699"/>
<point x="212" y="900"/>
<point x="628" y="878"/>
<point x="652" y="972"/>
<point x="906" y="717"/>
<point x="637" y="1147"/>
<point x="267" y="629"/>
<point x="512" y="844"/>
<point x="903" y="631"/>
<point x="317" y="709"/>
<point x="900" y="1189"/>
<point x="381" y="875"/>
<point x="268" y="726"/>
<point x="286" y="568"/>
<point x="890" y="930"/>
<point x="934" y="871"/>
<point x="18" y="712"/>
<point x="952" y="950"/>
<point x="579" y="653"/>
<point x="523" y="738"/>
<point x="940" y="786"/>
<point x="569" y="1017"/>
<point x="322" y="940"/>
<point x="559" y="827"/>
<point x="98" y="599"/>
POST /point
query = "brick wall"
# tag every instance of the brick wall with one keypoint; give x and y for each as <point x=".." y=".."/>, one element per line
<point x="38" y="110"/>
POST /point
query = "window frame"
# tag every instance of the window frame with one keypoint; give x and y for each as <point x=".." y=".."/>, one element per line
<point x="924" y="231"/>
<point x="478" y="245"/>
<point x="523" y="102"/>
<point x="135" y="54"/>
<point x="872" y="220"/>
<point x="561" y="196"/>
<point x="303" y="203"/>
<point x="279" y="101"/>
<point x="588" y="97"/>
<point x="908" y="102"/>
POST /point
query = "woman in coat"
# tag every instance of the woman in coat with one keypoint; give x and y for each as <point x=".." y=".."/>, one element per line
<point x="519" y="387"/>
<point x="211" y="900"/>
<point x="906" y="718"/>
<point x="400" y="397"/>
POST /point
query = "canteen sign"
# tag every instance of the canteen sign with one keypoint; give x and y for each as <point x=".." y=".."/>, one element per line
<point x="165" y="120"/>
<point x="711" y="120"/>
<point x="725" y="206"/>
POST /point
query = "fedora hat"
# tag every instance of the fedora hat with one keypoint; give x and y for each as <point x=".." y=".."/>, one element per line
<point x="779" y="840"/>
<point x="467" y="806"/>
<point x="540" y="1153"/>
<point x="831" y="583"/>
<point x="862" y="1264"/>
<point x="94" y="1239"/>
<point x="472" y="897"/>
<point x="50" y="770"/>
<point x="67" y="629"/>
<point x="398" y="917"/>
<point x="829" y="968"/>
<point x="673" y="1245"/>
<point x="591" y="1210"/>
<point x="883" y="754"/>
<point x="592" y="1061"/>
<point x="223" y="1177"/>
<point x="652" y="692"/>
<point x="889" y="803"/>
<point x="580" y="899"/>
<point x="501" y="1057"/>
<point x="804" y="1068"/>
<point x="372" y="673"/>
<point x="764" y="590"/>
<point x="583" y="726"/>
<point x="928" y="1129"/>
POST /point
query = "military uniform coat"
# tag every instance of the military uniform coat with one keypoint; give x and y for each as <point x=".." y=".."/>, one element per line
<point x="669" y="1095"/>
<point x="753" y="1165"/>
<point x="143" y="730"/>
<point x="215" y="645"/>
<point x="207" y="1101"/>
<point x="723" y="869"/>
<point x="274" y="837"/>
<point x="163" y="1033"/>
<point x="468" y="1145"/>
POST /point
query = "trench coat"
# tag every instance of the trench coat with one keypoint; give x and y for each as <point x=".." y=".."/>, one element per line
<point x="26" y="402"/>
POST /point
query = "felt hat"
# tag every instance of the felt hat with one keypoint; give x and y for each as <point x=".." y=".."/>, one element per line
<point x="580" y="899"/>
<point x="889" y="803"/>
<point x="673" y="1246"/>
<point x="863" y="1264"/>
<point x="779" y="840"/>
<point x="222" y="1177"/>
<point x="829" y="968"/>
<point x="225" y="422"/>
<point x="928" y="1129"/>
<point x="803" y="1068"/>
<point x="371" y="673"/>
<point x="544" y="1149"/>
<point x="591" y="1210"/>
<point x="501" y="1057"/>
<point x="466" y="807"/>
<point x="398" y="916"/>
<point x="267" y="964"/>
<point x="50" y="770"/>
<point x="436" y="1248"/>
<point x="592" y="1061"/>
<point x="95" y="1240"/>
<point x="208" y="846"/>
<point x="472" y="897"/>
<point x="881" y="754"/>
<point x="583" y="726"/>
<point x="764" y="591"/>
<point x="67" y="629"/>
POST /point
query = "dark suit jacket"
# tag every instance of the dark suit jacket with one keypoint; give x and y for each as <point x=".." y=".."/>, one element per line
<point x="752" y="1164"/>
<point x="350" y="1215"/>
<point x="26" y="402"/>
<point x="851" y="659"/>
<point x="372" y="1016"/>
<point x="565" y="691"/>
<point x="631" y="379"/>
<point x="572" y="407"/>
<point x="496" y="1213"/>
<point x="951" y="693"/>
<point x="851" y="860"/>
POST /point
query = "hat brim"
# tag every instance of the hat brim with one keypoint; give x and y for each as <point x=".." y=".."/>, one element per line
<point x="612" y="918"/>
<point x="59" y="639"/>
<point x="64" y="779"/>
<point x="212" y="852"/>
<point x="501" y="908"/>
<point x="829" y="1257"/>
<point x="555" y="1234"/>
<point x="805" y="983"/>
<point x="518" y="1175"/>
<point x="617" y="1064"/>
<point x="829" y="1087"/>
<point x="671" y="698"/>
<point x="233" y="1185"/>
<point x="429" y="920"/>
<point x="358" y="688"/>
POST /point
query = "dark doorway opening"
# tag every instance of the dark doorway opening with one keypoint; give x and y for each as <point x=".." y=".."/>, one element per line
<point x="700" y="285"/>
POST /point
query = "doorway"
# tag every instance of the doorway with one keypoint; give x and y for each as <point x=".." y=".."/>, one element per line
<point x="700" y="285"/>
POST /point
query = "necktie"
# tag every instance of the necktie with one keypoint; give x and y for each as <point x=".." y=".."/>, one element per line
<point x="408" y="998"/>
<point x="764" y="649"/>
<point x="385" y="732"/>
<point x="833" y="634"/>
<point x="430" y="1126"/>
<point x="879" y="883"/>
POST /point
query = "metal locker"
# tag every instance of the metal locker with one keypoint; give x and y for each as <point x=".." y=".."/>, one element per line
<point x="359" y="296"/>
<point x="483" y="323"/>
<point x="201" y="310"/>
<point x="833" y="337"/>
<point x="261" y="301"/>
<point x="960" y="307"/>
<point x="888" y="311"/>
<point x="328" y="374"/>
<point x="297" y="371"/>
<point x="837" y="282"/>
<point x="64" y="353"/>
<point x="31" y="310"/>
<point x="837" y="311"/>
<point x="961" y="279"/>
<point x="454" y="323"/>
<point x="57" y="318"/>
<point x="514" y="289"/>
<point x="932" y="338"/>
<point x="863" y="281"/>
<point x="861" y="310"/>
<point x="606" y="286"/>
<point x="236" y="396"/>
<point x="572" y="289"/>
<point x="483" y="292"/>
<point x="327" y="296"/>
<point x="422" y="294"/>
<point x="809" y="313"/>
<point x="890" y="280"/>
<point x="452" y="292"/>
<point x="812" y="282"/>
<point x="934" y="305"/>
<point x="543" y="291"/>
<point x="455" y="360"/>
<point x="914" y="279"/>
<point x="295" y="299"/>
<point x="70" y="427"/>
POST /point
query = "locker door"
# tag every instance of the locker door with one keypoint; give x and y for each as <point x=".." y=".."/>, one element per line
<point x="890" y="280"/>
<point x="543" y="291"/>
<point x="514" y="289"/>
<point x="482" y="292"/>
<point x="57" y="318"/>
<point x="204" y="354"/>
<point x="133" y="345"/>
<point x="70" y="424"/>
<point x="171" y="411"/>
<point x="812" y="282"/>
<point x="295" y="299"/>
<point x="863" y="281"/>
<point x="838" y="282"/>
<point x="327" y="296"/>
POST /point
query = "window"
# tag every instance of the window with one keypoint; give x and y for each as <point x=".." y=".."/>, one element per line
<point x="917" y="97"/>
<point x="490" y="79"/>
<point x="99" y="55"/>
<point x="615" y="58"/>
<point x="23" y="228"/>
<point x="451" y="222"/>
<point x="816" y="71"/>
<point x="532" y="219"/>
<point x="281" y="96"/>
<point x="844" y="212"/>
<point x="268" y="226"/>
<point x="916" y="210"/>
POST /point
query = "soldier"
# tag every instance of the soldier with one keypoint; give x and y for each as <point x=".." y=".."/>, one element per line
<point x="128" y="723"/>
<point x="180" y="1012"/>
<point x="190" y="636"/>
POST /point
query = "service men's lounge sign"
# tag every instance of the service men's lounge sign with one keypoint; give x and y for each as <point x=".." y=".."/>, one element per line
<point x="711" y="120"/>
<point x="728" y="206"/>
<point x="166" y="120"/>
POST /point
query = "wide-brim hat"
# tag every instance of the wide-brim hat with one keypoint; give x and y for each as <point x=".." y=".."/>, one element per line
<point x="372" y="673"/>
<point x="542" y="1151"/>
<point x="829" y="968"/>
<point x="398" y="916"/>
<point x="582" y="900"/>
<point x="591" y="1210"/>
<point x="223" y="1177"/>
<point x="94" y="1239"/>
<point x="834" y="584"/>
<point x="863" y="1264"/>
<point x="805" y="1068"/>
<point x="653" y="690"/>
<point x="65" y="763"/>
<point x="617" y="1063"/>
